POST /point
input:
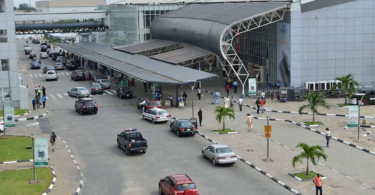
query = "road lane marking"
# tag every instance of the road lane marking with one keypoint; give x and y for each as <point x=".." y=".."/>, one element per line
<point x="60" y="96"/>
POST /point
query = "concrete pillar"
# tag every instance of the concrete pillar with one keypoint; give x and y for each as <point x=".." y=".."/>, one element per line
<point x="177" y="96"/>
<point x="85" y="37"/>
<point x="133" y="82"/>
<point x="145" y="86"/>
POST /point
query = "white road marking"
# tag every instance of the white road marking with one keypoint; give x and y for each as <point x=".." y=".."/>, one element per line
<point x="52" y="96"/>
<point x="40" y="75"/>
<point x="66" y="94"/>
<point x="60" y="96"/>
<point x="108" y="92"/>
<point x="31" y="75"/>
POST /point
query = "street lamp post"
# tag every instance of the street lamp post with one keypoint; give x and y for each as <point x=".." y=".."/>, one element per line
<point x="359" y="114"/>
<point x="192" y="98"/>
<point x="32" y="135"/>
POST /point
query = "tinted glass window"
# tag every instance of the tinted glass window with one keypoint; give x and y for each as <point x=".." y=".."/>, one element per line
<point x="50" y="73"/>
<point x="81" y="89"/>
<point x="79" y="73"/>
<point x="89" y="103"/>
<point x="154" y="103"/>
<point x="135" y="136"/>
<point x="187" y="186"/>
<point x="162" y="113"/>
<point x="223" y="150"/>
<point x="186" y="124"/>
<point x="96" y="85"/>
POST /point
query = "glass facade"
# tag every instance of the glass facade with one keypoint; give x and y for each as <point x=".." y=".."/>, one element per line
<point x="259" y="45"/>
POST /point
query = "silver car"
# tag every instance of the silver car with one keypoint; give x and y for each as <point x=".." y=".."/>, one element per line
<point x="156" y="115"/>
<point x="43" y="55"/>
<point x="59" y="66"/>
<point x="105" y="83"/>
<point x="79" y="92"/>
<point x="219" y="154"/>
<point x="51" y="75"/>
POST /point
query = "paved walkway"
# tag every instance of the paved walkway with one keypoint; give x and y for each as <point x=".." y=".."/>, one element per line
<point x="68" y="176"/>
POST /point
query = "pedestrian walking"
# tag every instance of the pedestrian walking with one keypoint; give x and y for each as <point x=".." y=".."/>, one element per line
<point x="180" y="101"/>
<point x="199" y="93"/>
<point x="39" y="92"/>
<point x="44" y="99"/>
<point x="90" y="76"/>
<point x="258" y="105"/>
<point x="158" y="96"/>
<point x="240" y="103"/>
<point x="231" y="102"/>
<point x="263" y="95"/>
<point x="262" y="105"/>
<point x="33" y="102"/>
<point x="37" y="101"/>
<point x="184" y="96"/>
<point x="44" y="91"/>
<point x="328" y="136"/>
<point x="52" y="140"/>
<point x="226" y="102"/>
<point x="249" y="122"/>
<point x="318" y="184"/>
<point x="217" y="97"/>
<point x="210" y="69"/>
<point x="227" y="87"/>
<point x="171" y="100"/>
<point x="235" y="86"/>
<point x="200" y="116"/>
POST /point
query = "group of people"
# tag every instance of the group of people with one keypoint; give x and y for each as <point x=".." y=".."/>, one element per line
<point x="38" y="100"/>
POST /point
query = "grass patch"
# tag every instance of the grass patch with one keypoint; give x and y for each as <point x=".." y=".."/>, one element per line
<point x="316" y="123"/>
<point x="342" y="105"/>
<point x="14" y="148"/>
<point x="16" y="182"/>
<point x="224" y="131"/>
<point x="304" y="176"/>
<point x="16" y="112"/>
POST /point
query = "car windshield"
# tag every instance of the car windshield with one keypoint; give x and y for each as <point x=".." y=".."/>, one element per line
<point x="104" y="81"/>
<point x="186" y="186"/>
<point x="223" y="150"/>
<point x="50" y="72"/>
<point x="96" y="85"/>
<point x="49" y="67"/>
<point x="27" y="46"/>
<point x="186" y="124"/>
<point x="58" y="64"/>
<point x="79" y="73"/>
<point x="154" y="103"/>
<point x="89" y="102"/>
<point x="162" y="113"/>
<point x="82" y="89"/>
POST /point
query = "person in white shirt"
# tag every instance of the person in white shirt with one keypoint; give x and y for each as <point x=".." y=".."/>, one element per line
<point x="240" y="103"/>
<point x="328" y="136"/>
<point x="199" y="93"/>
<point x="263" y="95"/>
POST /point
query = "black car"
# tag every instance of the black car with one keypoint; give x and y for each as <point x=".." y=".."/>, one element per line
<point x="36" y="41"/>
<point x="37" y="59"/>
<point x="96" y="77"/>
<point x="61" y="59"/>
<point x="182" y="127"/>
<point x="71" y="65"/>
<point x="55" y="55"/>
<point x="86" y="105"/>
<point x="43" y="48"/>
<point x="48" y="68"/>
<point x="78" y="75"/>
<point x="131" y="140"/>
<point x="124" y="92"/>
<point x="96" y="88"/>
<point x="43" y="44"/>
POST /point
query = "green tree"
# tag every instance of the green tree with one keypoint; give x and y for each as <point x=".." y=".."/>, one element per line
<point x="222" y="112"/>
<point x="14" y="8"/>
<point x="23" y="6"/>
<point x="314" y="100"/>
<point x="347" y="85"/>
<point x="310" y="153"/>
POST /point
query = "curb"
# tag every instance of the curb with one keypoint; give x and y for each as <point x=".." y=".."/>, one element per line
<point x="293" y="112"/>
<point x="52" y="183"/>
<point x="32" y="118"/>
<point x="234" y="132"/>
<point x="299" y="179"/>
<point x="320" y="133"/>
<point x="19" y="115"/>
<point x="257" y="168"/>
<point x="16" y="161"/>
<point x="80" y="172"/>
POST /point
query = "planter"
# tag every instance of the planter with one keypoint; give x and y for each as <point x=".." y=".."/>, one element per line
<point x="227" y="131"/>
<point x="312" y="174"/>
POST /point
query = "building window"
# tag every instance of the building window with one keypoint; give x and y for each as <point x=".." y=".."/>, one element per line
<point x="5" y="94"/>
<point x="2" y="6"/>
<point x="3" y="36"/>
<point x="4" y="65"/>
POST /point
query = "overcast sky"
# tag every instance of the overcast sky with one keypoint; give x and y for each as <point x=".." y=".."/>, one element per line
<point x="16" y="3"/>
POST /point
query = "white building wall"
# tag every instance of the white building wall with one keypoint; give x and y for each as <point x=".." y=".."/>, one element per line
<point x="66" y="9"/>
<point x="336" y="41"/>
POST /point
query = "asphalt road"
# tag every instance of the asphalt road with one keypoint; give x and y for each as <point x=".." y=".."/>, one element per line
<point x="106" y="168"/>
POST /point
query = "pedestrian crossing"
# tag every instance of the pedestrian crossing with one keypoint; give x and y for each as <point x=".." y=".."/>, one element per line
<point x="35" y="75"/>
<point x="65" y="95"/>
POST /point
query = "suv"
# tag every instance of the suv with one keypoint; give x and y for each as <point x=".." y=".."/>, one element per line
<point x="84" y="105"/>
<point x="78" y="75"/>
<point x="131" y="140"/>
<point x="43" y="48"/>
<point x="124" y="92"/>
<point x="180" y="184"/>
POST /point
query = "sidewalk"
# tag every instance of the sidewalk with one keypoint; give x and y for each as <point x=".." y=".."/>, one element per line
<point x="68" y="176"/>
<point x="251" y="146"/>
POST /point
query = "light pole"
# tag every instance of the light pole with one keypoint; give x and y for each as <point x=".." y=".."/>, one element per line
<point x="192" y="97"/>
<point x="32" y="135"/>
<point x="359" y="114"/>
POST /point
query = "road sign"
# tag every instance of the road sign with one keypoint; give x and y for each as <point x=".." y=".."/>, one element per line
<point x="267" y="128"/>
<point x="267" y="135"/>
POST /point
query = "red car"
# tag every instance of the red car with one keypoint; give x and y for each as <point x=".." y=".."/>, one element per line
<point x="32" y="55"/>
<point x="149" y="104"/>
<point x="180" y="184"/>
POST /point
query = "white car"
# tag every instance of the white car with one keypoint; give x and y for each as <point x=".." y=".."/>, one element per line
<point x="43" y="55"/>
<point x="51" y="75"/>
<point x="1" y="126"/>
<point x="156" y="115"/>
<point x="219" y="154"/>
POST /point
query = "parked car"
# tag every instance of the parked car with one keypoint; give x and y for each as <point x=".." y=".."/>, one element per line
<point x="219" y="154"/>
<point x="48" y="68"/>
<point x="43" y="55"/>
<point x="37" y="59"/>
<point x="27" y="49"/>
<point x="124" y="92"/>
<point x="71" y="65"/>
<point x="51" y="52"/>
<point x="32" y="55"/>
<point x="85" y="105"/>
<point x="180" y="184"/>
<point x="96" y="88"/>
<point x="2" y="126"/>
<point x="43" y="48"/>
<point x="149" y="104"/>
<point x="156" y="115"/>
<point x="79" y="92"/>
<point x="131" y="140"/>
<point x="105" y="83"/>
<point x="182" y="127"/>
<point x="35" y="65"/>
<point x="51" y="75"/>
<point x="78" y="75"/>
<point x="96" y="77"/>
<point x="61" y="59"/>
<point x="59" y="66"/>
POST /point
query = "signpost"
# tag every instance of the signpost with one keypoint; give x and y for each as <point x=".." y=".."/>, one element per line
<point x="41" y="151"/>
<point x="252" y="87"/>
<point x="268" y="131"/>
<point x="9" y="116"/>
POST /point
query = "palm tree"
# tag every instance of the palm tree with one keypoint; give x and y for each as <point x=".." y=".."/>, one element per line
<point x="313" y="153"/>
<point x="348" y="85"/>
<point x="222" y="112"/>
<point x="314" y="100"/>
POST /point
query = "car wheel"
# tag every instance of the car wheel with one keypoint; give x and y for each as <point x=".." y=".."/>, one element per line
<point x="118" y="144"/>
<point x="69" y="94"/>
<point x="178" y="133"/>
<point x="127" y="152"/>
<point x="204" y="156"/>
<point x="80" y="112"/>
<point x="160" y="192"/>
<point x="153" y="121"/>
<point x="213" y="162"/>
<point x="144" y="151"/>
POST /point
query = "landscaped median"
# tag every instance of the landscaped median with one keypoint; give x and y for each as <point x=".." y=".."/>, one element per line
<point x="20" y="182"/>
<point x="226" y="131"/>
<point x="13" y="148"/>
<point x="17" y="112"/>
